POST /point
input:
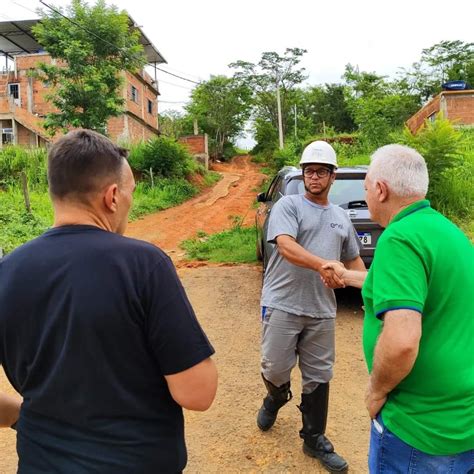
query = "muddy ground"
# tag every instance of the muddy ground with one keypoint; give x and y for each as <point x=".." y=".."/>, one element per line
<point x="226" y="299"/>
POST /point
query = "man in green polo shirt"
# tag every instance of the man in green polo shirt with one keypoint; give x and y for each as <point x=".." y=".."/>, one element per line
<point x="418" y="326"/>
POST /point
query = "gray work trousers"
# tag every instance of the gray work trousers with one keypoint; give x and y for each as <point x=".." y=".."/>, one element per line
<point x="287" y="338"/>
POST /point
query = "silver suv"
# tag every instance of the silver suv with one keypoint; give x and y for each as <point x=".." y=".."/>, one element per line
<point x="347" y="192"/>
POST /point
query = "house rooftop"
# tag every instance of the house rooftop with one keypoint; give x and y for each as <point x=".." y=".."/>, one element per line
<point x="17" y="38"/>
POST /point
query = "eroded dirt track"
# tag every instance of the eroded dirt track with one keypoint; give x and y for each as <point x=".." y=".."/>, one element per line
<point x="211" y="212"/>
<point x="225" y="439"/>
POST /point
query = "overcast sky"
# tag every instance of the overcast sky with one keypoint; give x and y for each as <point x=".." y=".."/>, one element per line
<point x="200" y="38"/>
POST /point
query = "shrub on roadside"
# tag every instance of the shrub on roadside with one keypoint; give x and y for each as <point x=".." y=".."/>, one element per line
<point x="286" y="156"/>
<point x="166" y="193"/>
<point x="15" y="160"/>
<point x="164" y="156"/>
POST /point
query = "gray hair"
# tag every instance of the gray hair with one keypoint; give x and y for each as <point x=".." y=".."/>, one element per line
<point x="402" y="168"/>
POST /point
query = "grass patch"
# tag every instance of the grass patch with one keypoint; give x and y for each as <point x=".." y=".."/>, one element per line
<point x="236" y="245"/>
<point x="18" y="226"/>
<point x="211" y="177"/>
<point x="166" y="193"/>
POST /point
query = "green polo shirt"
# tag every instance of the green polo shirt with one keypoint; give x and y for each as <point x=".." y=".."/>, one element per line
<point x="423" y="262"/>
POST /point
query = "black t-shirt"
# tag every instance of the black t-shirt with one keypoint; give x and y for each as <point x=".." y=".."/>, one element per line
<point x="90" y="322"/>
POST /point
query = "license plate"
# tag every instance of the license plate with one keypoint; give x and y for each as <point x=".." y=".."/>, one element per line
<point x="365" y="238"/>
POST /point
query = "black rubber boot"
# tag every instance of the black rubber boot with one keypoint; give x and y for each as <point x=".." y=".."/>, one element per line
<point x="314" y="410"/>
<point x="276" y="398"/>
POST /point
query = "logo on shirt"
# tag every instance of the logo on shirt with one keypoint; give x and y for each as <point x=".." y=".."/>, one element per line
<point x="335" y="224"/>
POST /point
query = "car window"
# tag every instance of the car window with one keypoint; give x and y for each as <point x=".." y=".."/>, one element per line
<point x="342" y="191"/>
<point x="273" y="193"/>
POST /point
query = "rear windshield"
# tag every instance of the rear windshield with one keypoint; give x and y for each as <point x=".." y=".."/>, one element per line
<point x="343" y="191"/>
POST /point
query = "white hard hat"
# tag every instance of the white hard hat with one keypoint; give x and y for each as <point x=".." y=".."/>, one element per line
<point x="319" y="152"/>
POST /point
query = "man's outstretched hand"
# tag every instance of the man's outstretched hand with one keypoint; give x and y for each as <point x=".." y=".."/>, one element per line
<point x="332" y="274"/>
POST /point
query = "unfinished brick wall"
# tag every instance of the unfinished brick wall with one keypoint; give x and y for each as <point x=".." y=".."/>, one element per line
<point x="417" y="120"/>
<point x="196" y="144"/>
<point x="25" y="137"/>
<point x="33" y="91"/>
<point x="128" y="129"/>
<point x="460" y="108"/>
<point x="145" y="93"/>
<point x="457" y="106"/>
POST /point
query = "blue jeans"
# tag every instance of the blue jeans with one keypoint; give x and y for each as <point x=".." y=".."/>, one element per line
<point x="389" y="454"/>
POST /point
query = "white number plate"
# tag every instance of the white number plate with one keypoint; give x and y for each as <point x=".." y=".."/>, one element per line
<point x="365" y="238"/>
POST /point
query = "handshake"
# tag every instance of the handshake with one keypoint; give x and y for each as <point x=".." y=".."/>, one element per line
<point x="332" y="274"/>
<point x="335" y="275"/>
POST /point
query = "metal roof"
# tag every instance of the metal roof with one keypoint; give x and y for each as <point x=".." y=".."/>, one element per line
<point x="16" y="38"/>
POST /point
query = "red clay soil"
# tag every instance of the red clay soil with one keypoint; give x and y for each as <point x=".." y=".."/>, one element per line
<point x="211" y="211"/>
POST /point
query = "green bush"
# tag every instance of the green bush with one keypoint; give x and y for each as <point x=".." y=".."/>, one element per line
<point x="229" y="151"/>
<point x="15" y="160"/>
<point x="286" y="156"/>
<point x="449" y="155"/>
<point x="440" y="144"/>
<point x="164" y="156"/>
<point x="166" y="193"/>
<point x="18" y="226"/>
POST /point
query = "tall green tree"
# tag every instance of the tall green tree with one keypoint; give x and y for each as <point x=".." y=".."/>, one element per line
<point x="175" y="124"/>
<point x="221" y="106"/>
<point x="444" y="61"/>
<point x="92" y="46"/>
<point x="378" y="106"/>
<point x="272" y="72"/>
<point x="326" y="106"/>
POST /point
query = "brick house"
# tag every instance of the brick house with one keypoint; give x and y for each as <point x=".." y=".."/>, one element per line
<point x="456" y="106"/>
<point x="22" y="97"/>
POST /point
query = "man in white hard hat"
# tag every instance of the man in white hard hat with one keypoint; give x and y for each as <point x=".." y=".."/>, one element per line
<point x="298" y="311"/>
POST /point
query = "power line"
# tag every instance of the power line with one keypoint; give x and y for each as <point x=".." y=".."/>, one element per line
<point x="184" y="73"/>
<point x="176" y="75"/>
<point x="171" y="102"/>
<point x="111" y="44"/>
<point x="83" y="27"/>
<point x="23" y="6"/>
<point x="175" y="85"/>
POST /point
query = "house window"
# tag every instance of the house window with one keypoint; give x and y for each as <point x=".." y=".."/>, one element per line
<point x="7" y="135"/>
<point x="150" y="106"/>
<point x="14" y="90"/>
<point x="134" y="94"/>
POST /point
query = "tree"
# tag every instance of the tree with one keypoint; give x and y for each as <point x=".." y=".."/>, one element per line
<point x="174" y="124"/>
<point x="221" y="106"/>
<point x="327" y="105"/>
<point x="444" y="61"/>
<point x="93" y="45"/>
<point x="377" y="105"/>
<point x="271" y="75"/>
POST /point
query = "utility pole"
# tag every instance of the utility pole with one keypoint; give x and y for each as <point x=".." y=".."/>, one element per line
<point x="296" y="127"/>
<point x="280" y="125"/>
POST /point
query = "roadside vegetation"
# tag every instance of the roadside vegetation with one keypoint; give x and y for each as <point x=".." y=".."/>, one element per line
<point x="165" y="172"/>
<point x="236" y="245"/>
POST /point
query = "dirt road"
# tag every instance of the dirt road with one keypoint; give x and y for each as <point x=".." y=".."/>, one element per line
<point x="211" y="212"/>
<point x="225" y="439"/>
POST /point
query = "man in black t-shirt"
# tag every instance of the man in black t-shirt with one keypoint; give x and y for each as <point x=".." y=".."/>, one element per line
<point x="96" y="332"/>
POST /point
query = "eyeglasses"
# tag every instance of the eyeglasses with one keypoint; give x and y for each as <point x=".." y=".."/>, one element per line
<point x="319" y="172"/>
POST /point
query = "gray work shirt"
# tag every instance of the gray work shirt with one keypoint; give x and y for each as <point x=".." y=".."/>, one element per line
<point x="325" y="231"/>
